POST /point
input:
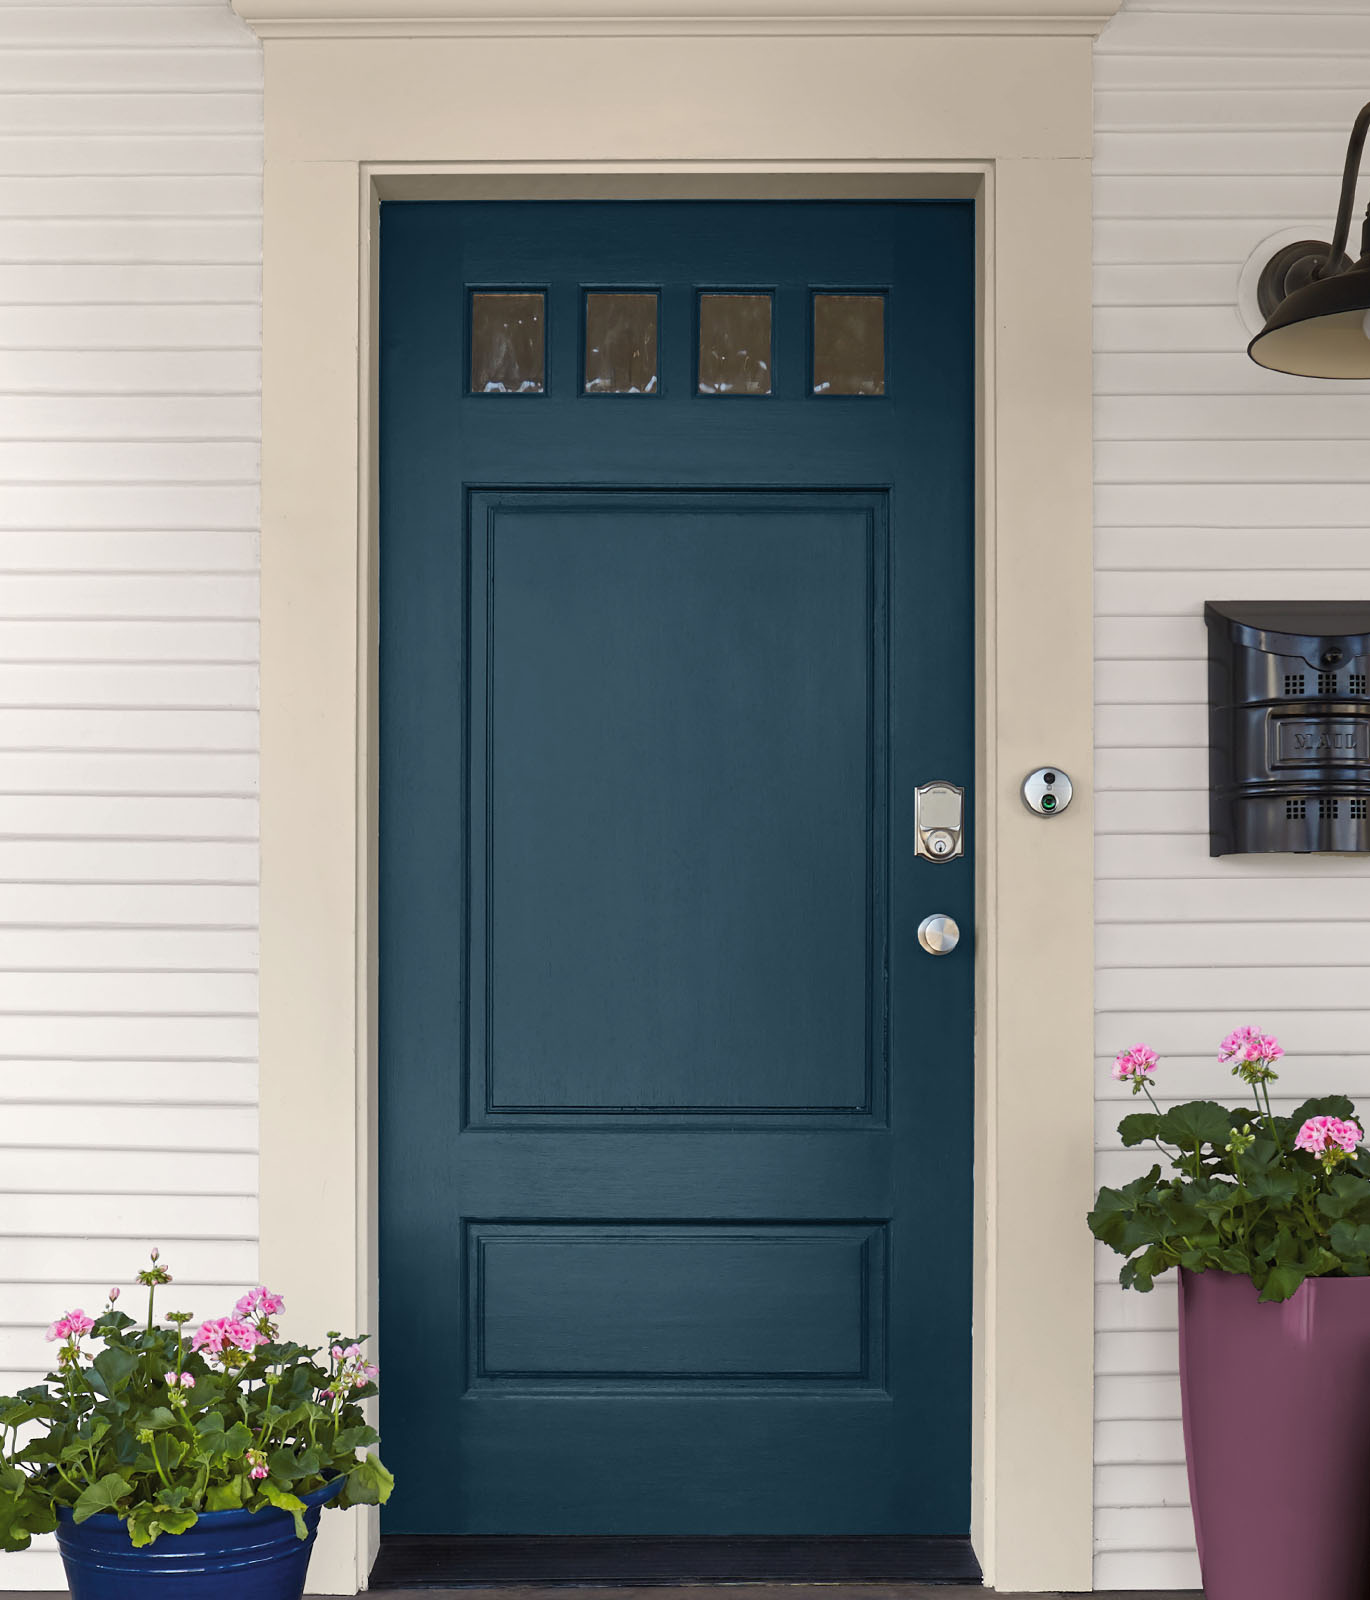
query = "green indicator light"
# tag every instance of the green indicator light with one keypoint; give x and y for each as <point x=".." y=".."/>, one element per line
<point x="1048" y="802"/>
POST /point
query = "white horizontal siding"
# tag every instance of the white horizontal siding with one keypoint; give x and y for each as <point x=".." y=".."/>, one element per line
<point x="130" y="187"/>
<point x="1218" y="122"/>
<point x="130" y="191"/>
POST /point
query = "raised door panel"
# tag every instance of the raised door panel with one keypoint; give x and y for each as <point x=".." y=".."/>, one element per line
<point x="677" y="715"/>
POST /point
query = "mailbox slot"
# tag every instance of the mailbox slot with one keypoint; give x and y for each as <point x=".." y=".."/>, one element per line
<point x="1289" y="726"/>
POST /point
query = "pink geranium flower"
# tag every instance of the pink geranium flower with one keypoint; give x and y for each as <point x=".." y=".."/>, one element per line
<point x="1322" y="1135"/>
<point x="75" y="1325"/>
<point x="1251" y="1054"/>
<point x="1135" y="1066"/>
<point x="223" y="1335"/>
<point x="1234" y="1046"/>
<point x="260" y="1303"/>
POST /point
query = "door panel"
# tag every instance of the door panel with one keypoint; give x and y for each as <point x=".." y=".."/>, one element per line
<point x="678" y="751"/>
<point x="647" y="1303"/>
<point x="676" y="1119"/>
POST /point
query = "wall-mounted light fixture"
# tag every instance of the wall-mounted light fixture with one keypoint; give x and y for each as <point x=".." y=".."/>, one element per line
<point x="1315" y="302"/>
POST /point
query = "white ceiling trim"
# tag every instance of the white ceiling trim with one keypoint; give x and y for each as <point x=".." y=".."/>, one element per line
<point x="550" y="18"/>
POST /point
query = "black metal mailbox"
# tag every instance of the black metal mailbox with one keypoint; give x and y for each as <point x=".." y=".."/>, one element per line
<point x="1289" y="725"/>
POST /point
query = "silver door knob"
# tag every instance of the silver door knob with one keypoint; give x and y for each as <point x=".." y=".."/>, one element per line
<point x="938" y="934"/>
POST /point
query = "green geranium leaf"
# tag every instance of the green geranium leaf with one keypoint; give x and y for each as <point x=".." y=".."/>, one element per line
<point x="220" y="1441"/>
<point x="369" y="1483"/>
<point x="284" y="1467"/>
<point x="237" y="1439"/>
<point x="1351" y="1239"/>
<point x="1139" y="1127"/>
<point x="147" y="1522"/>
<point x="1197" y="1123"/>
<point x="102" y="1495"/>
<point x="283" y="1500"/>
<point x="112" y="1369"/>
<point x="225" y="1496"/>
<point x="94" y="1427"/>
<point x="1132" y="1278"/>
<point x="1115" y="1208"/>
<point x="1340" y="1204"/>
<point x="1278" y="1185"/>
<point x="1329" y="1105"/>
<point x="1261" y="1154"/>
<point x="1283" y="1281"/>
<point x="350" y="1439"/>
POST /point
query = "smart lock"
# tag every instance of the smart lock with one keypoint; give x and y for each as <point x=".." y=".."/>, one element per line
<point x="939" y="821"/>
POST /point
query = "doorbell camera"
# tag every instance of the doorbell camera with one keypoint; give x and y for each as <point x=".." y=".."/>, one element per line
<point x="1047" y="791"/>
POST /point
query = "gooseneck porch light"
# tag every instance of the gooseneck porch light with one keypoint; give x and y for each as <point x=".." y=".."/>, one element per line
<point x="1315" y="302"/>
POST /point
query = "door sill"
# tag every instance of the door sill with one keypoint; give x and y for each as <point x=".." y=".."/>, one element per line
<point x="449" y="1561"/>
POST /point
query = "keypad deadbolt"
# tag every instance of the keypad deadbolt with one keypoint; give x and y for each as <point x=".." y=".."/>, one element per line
<point x="939" y="811"/>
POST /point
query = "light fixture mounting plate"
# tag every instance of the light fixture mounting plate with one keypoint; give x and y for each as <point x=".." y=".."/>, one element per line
<point x="1292" y="268"/>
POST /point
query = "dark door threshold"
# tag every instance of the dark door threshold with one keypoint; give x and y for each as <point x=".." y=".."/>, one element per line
<point x="424" y="1561"/>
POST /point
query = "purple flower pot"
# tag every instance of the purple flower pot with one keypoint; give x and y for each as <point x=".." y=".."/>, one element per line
<point x="1277" y="1437"/>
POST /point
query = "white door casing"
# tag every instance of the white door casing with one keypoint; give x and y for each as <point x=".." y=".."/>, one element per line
<point x="366" y="100"/>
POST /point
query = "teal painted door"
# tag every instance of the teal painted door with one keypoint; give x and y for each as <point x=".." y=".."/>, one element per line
<point x="675" y="1115"/>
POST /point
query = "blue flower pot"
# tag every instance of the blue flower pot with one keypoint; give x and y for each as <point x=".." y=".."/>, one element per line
<point x="227" y="1555"/>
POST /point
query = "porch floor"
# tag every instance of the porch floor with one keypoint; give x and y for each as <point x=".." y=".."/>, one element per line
<point x="741" y="1591"/>
<point x="759" y="1591"/>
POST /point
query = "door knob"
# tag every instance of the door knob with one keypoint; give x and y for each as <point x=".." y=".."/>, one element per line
<point x="938" y="934"/>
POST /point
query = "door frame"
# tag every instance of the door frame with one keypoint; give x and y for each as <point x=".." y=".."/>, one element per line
<point x="986" y="99"/>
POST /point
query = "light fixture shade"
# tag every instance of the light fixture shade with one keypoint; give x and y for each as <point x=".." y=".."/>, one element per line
<point x="1319" y="331"/>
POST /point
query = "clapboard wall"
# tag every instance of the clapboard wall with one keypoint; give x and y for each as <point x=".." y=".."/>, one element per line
<point x="130" y="203"/>
<point x="1218" y="122"/>
<point x="129" y="246"/>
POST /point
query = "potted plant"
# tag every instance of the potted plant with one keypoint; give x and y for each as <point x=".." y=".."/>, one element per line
<point x="1267" y="1219"/>
<point x="186" y="1461"/>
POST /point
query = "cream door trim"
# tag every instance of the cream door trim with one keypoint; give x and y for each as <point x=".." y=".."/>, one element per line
<point x="1006" y="120"/>
<point x="386" y="18"/>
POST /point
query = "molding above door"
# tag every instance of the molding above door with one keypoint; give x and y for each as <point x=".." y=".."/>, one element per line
<point x="502" y="18"/>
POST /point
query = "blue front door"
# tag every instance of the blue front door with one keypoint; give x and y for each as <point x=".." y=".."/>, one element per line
<point x="676" y="1116"/>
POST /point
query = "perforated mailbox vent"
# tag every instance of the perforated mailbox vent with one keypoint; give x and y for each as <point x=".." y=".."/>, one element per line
<point x="1293" y="683"/>
<point x="1295" y="810"/>
<point x="1327" y="683"/>
<point x="1358" y="810"/>
<point x="1328" y="809"/>
<point x="1355" y="683"/>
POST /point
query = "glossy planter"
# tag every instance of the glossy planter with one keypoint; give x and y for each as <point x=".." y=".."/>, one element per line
<point x="1277" y="1437"/>
<point x="227" y="1555"/>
